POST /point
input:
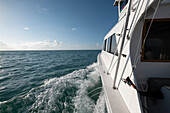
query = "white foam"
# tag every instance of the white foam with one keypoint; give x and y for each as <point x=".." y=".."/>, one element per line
<point x="4" y="77"/>
<point x="67" y="92"/>
<point x="1" y="88"/>
<point x="101" y="104"/>
<point x="82" y="102"/>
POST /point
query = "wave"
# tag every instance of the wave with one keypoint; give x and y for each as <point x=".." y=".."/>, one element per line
<point x="68" y="93"/>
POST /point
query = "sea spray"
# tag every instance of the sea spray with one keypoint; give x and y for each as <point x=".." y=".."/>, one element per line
<point x="66" y="94"/>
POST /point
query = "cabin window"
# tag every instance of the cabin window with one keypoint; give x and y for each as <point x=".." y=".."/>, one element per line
<point x="108" y="44"/>
<point x="157" y="44"/>
<point x="113" y="44"/>
<point x="104" y="45"/>
<point x="123" y="4"/>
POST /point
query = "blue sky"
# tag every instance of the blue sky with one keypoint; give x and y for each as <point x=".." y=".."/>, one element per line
<point x="55" y="24"/>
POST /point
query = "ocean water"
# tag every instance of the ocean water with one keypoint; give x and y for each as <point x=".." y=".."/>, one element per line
<point x="50" y="82"/>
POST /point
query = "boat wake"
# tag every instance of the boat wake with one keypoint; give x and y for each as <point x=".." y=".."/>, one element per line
<point x="68" y="93"/>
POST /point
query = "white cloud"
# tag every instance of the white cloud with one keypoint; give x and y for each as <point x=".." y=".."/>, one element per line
<point x="26" y="28"/>
<point x="45" y="45"/>
<point x="4" y="46"/>
<point x="43" y="10"/>
<point x="97" y="44"/>
<point x="73" y="29"/>
<point x="40" y="45"/>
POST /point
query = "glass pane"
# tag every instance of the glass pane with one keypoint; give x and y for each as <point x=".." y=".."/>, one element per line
<point x="157" y="45"/>
<point x="108" y="44"/>
<point x="113" y="48"/>
<point x="104" y="45"/>
<point x="123" y="4"/>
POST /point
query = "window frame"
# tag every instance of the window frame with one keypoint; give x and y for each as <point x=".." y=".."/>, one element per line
<point x="143" y="37"/>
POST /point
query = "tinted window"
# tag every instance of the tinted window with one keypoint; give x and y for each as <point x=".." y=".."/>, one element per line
<point x="123" y="4"/>
<point x="113" y="47"/>
<point x="156" y="46"/>
<point x="104" y="45"/>
<point x="108" y="44"/>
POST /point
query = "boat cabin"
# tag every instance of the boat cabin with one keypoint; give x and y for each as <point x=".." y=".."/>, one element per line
<point x="145" y="56"/>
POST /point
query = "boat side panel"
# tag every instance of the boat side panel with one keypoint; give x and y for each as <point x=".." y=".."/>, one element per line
<point x="146" y="70"/>
<point x="129" y="95"/>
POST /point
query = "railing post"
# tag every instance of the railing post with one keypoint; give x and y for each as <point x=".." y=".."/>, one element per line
<point x="122" y="44"/>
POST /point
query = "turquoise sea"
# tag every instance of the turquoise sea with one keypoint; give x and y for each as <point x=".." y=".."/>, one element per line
<point x="50" y="82"/>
